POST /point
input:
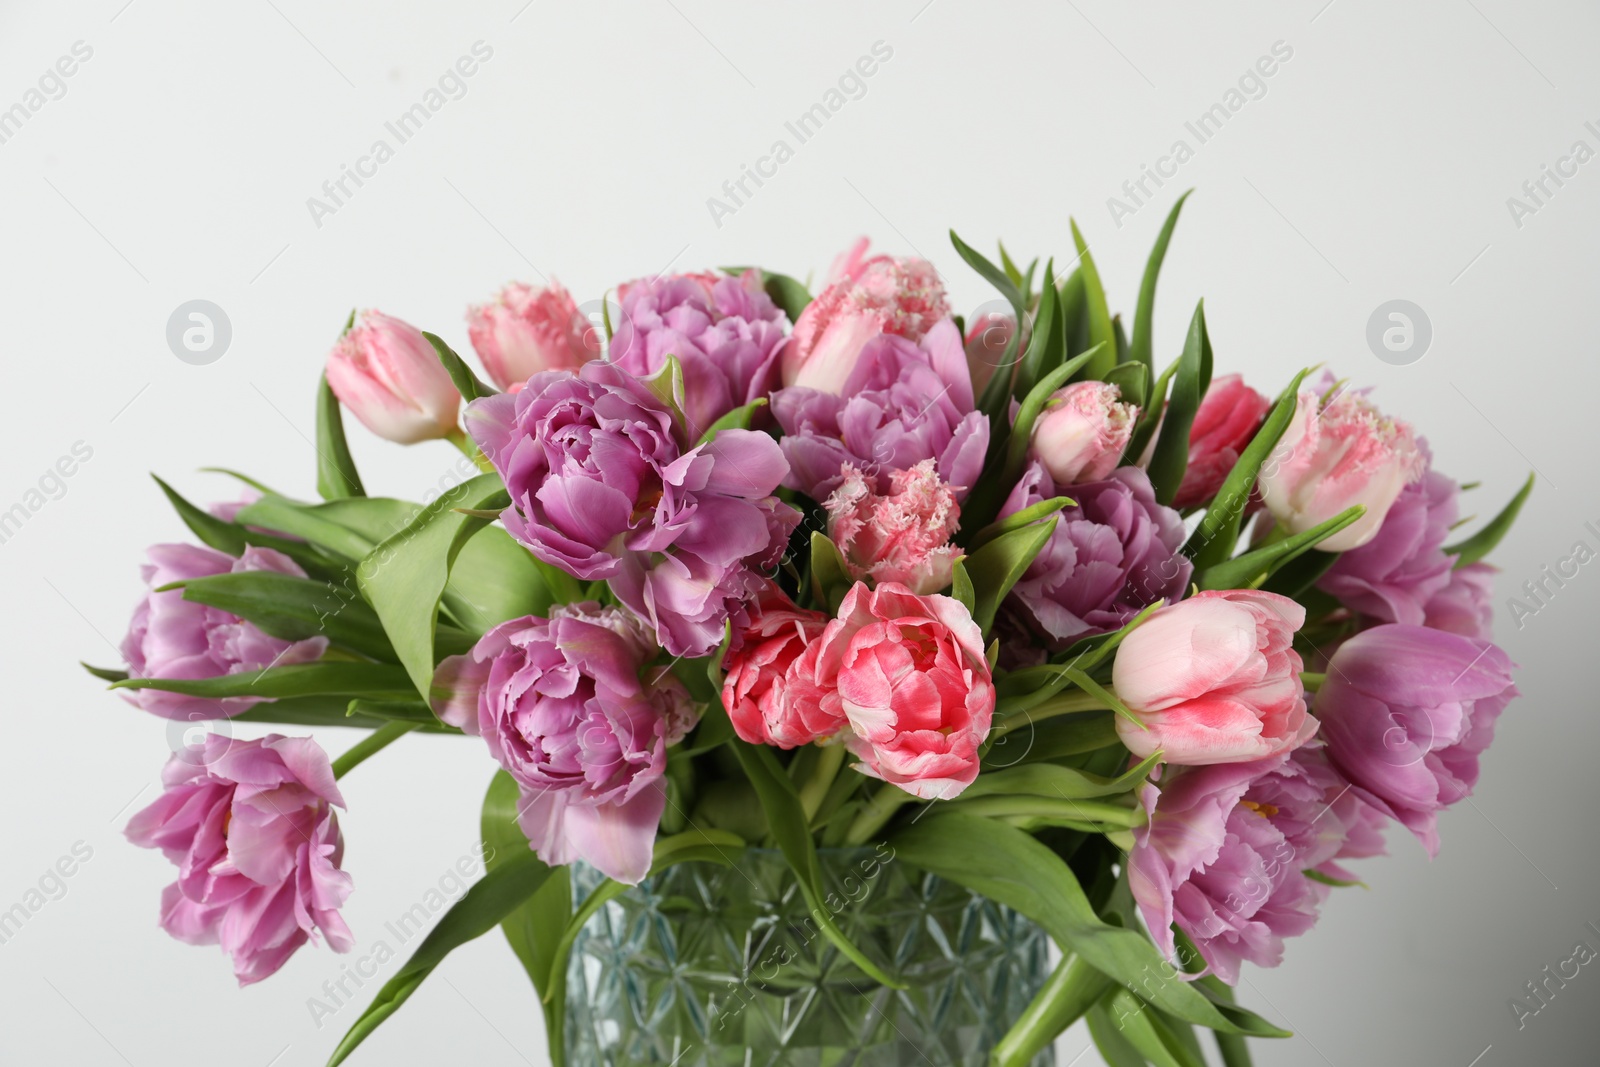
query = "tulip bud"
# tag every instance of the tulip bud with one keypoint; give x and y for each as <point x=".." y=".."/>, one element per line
<point x="1214" y="679"/>
<point x="525" y="330"/>
<point x="387" y="375"/>
<point x="900" y="536"/>
<point x="871" y="297"/>
<point x="1081" y="433"/>
<point x="1331" y="459"/>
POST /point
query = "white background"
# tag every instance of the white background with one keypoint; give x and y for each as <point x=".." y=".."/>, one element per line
<point x="178" y="164"/>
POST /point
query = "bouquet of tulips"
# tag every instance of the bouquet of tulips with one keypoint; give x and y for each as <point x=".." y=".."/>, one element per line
<point x="1130" y="648"/>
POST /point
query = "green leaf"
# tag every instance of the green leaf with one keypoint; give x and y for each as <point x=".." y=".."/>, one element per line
<point x="105" y="674"/>
<point x="1102" y="336"/>
<point x="1047" y="346"/>
<point x="1144" y="1029"/>
<point x="534" y="927"/>
<point x="1149" y="417"/>
<point x="1052" y="739"/>
<point x="232" y="537"/>
<point x="1010" y="867"/>
<point x="1295" y="577"/>
<point x="666" y="385"/>
<point x="294" y="609"/>
<point x="1132" y="381"/>
<point x="1074" y="312"/>
<point x="1140" y="348"/>
<point x="496" y="895"/>
<point x="1171" y="456"/>
<point x="830" y="578"/>
<point x="1051" y="780"/>
<point x="1218" y="531"/>
<point x="347" y="529"/>
<point x="1484" y="541"/>
<point x="737" y="419"/>
<point x="1072" y="990"/>
<point x="371" y="680"/>
<point x="961" y="587"/>
<point x="468" y="384"/>
<point x="494" y="579"/>
<point x="1028" y="412"/>
<point x="1018" y="519"/>
<point x="1113" y="1046"/>
<point x="993" y="401"/>
<point x="1235" y="1052"/>
<point x="340" y="709"/>
<point x="995" y="568"/>
<point x="404" y="577"/>
<point x="337" y="477"/>
<point x="791" y="831"/>
<point x="1246" y="571"/>
<point x="1012" y="270"/>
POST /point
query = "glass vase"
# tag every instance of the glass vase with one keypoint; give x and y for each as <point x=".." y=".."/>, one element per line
<point x="707" y="965"/>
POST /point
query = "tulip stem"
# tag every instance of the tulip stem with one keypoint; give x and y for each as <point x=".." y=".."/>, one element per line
<point x="459" y="438"/>
<point x="1060" y="704"/>
<point x="829" y="759"/>
<point x="1312" y="680"/>
<point x="884" y="803"/>
<point x="375" y="742"/>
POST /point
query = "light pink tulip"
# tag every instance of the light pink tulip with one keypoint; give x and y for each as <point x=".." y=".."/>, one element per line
<point x="525" y="330"/>
<point x="1082" y="431"/>
<point x="388" y="376"/>
<point x="871" y="297"/>
<point x="909" y="674"/>
<point x="1334" y="456"/>
<point x="900" y="536"/>
<point x="1215" y="679"/>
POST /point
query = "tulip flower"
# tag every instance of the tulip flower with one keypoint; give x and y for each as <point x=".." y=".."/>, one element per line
<point x="1336" y="455"/>
<point x="901" y="536"/>
<point x="1214" y="679"/>
<point x="387" y="375"/>
<point x="769" y="681"/>
<point x="525" y="330"/>
<point x="1080" y="435"/>
<point x="872" y="297"/>
<point x="1406" y="711"/>
<point x="1228" y="418"/>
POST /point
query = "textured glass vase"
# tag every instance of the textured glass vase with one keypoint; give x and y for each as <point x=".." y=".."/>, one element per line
<point x="721" y="966"/>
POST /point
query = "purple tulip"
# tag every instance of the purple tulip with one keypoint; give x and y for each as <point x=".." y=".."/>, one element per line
<point x="1392" y="577"/>
<point x="1466" y="604"/>
<point x="566" y="709"/>
<point x="726" y="333"/>
<point x="250" y="826"/>
<point x="1406" y="711"/>
<point x="600" y="488"/>
<point x="1225" y="850"/>
<point x="1114" y="553"/>
<point x="171" y="637"/>
<point x="902" y="403"/>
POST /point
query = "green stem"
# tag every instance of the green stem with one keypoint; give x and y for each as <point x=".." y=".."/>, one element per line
<point x="829" y="759"/>
<point x="1071" y="991"/>
<point x="884" y="803"/>
<point x="377" y="741"/>
<point x="459" y="438"/>
<point x="1060" y="704"/>
<point x="1086" y="811"/>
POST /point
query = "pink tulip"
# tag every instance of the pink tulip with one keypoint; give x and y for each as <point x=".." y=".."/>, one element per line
<point x="909" y="674"/>
<point x="525" y="330"/>
<point x="880" y="295"/>
<point x="1082" y="431"/>
<point x="1215" y="679"/>
<point x="987" y="338"/>
<point x="251" y="829"/>
<point x="769" y="684"/>
<point x="388" y="376"/>
<point x="1228" y="418"/>
<point x="1334" y="456"/>
<point x="901" y="536"/>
